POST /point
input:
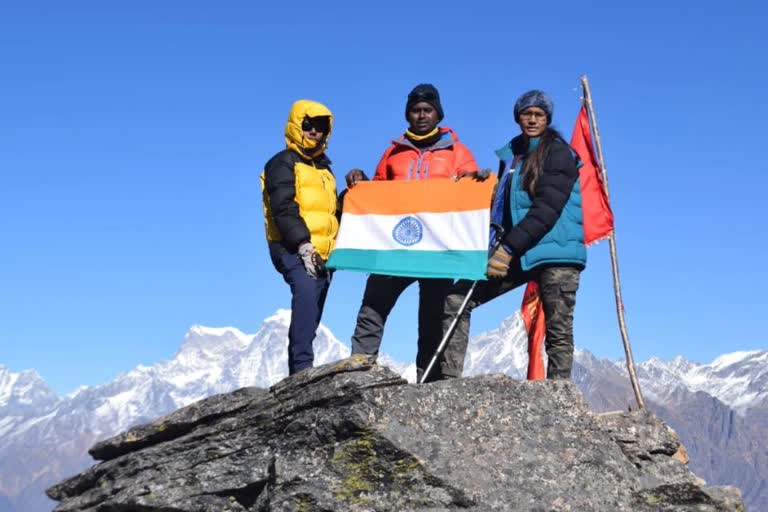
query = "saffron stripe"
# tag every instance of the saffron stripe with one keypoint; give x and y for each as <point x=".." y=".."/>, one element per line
<point x="400" y="197"/>
<point x="436" y="264"/>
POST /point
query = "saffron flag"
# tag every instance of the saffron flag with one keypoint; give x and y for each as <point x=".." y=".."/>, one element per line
<point x="415" y="228"/>
<point x="598" y="225"/>
<point x="598" y="218"/>
<point x="533" y="319"/>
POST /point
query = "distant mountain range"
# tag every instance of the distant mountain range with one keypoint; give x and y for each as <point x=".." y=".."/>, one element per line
<point x="720" y="410"/>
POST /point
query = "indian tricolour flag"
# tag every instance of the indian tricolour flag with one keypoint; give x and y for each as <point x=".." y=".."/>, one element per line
<point x="416" y="228"/>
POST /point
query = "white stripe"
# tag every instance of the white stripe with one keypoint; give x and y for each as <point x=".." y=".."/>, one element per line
<point x="457" y="231"/>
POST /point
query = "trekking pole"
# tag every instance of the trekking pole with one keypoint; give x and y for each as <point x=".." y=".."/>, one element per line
<point x="447" y="336"/>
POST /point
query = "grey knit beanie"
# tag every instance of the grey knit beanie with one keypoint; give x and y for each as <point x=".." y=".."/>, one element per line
<point x="534" y="98"/>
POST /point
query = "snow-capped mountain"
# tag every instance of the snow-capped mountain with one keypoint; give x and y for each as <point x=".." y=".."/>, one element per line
<point x="738" y="379"/>
<point x="503" y="350"/>
<point x="23" y="393"/>
<point x="44" y="438"/>
<point x="210" y="361"/>
<point x="24" y="396"/>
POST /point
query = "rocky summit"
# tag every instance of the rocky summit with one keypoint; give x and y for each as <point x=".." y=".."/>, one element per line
<point x="355" y="436"/>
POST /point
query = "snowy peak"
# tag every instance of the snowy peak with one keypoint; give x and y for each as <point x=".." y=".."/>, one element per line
<point x="736" y="361"/>
<point x="682" y="365"/>
<point x="7" y="382"/>
<point x="201" y="331"/>
<point x="210" y="341"/>
<point x="220" y="359"/>
<point x="280" y="317"/>
<point x="738" y="379"/>
<point x="211" y="360"/>
<point x="502" y="350"/>
<point x="279" y="322"/>
<point x="678" y="366"/>
<point x="24" y="392"/>
<point x="24" y="397"/>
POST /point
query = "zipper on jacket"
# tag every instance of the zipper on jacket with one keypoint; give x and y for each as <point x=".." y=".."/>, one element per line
<point x="330" y="213"/>
<point x="418" y="164"/>
<point x="511" y="189"/>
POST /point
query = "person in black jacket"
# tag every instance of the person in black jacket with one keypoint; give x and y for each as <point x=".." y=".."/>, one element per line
<point x="538" y="202"/>
<point x="301" y="223"/>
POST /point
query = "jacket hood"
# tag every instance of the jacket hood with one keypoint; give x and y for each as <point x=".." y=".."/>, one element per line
<point x="294" y="135"/>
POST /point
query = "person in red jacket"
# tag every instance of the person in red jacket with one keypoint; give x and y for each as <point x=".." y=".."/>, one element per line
<point x="425" y="151"/>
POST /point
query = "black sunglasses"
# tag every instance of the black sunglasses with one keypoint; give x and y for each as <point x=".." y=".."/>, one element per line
<point x="320" y="124"/>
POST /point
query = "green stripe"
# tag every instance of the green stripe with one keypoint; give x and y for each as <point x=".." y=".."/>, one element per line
<point x="446" y="264"/>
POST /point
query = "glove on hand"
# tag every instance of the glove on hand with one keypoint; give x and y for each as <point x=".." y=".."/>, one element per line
<point x="354" y="176"/>
<point x="483" y="174"/>
<point x="313" y="262"/>
<point x="319" y="264"/>
<point x="480" y="175"/>
<point x="498" y="263"/>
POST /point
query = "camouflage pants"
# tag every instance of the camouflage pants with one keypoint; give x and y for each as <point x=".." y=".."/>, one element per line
<point x="558" y="287"/>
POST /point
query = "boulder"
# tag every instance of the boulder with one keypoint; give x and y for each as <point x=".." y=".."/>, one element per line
<point x="354" y="436"/>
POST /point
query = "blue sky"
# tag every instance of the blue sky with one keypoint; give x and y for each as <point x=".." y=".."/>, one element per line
<point x="133" y="136"/>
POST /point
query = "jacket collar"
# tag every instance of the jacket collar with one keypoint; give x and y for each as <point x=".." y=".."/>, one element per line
<point x="517" y="147"/>
<point x="320" y="160"/>
<point x="447" y="139"/>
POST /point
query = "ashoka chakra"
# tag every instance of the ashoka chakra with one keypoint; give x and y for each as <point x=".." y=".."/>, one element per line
<point x="408" y="231"/>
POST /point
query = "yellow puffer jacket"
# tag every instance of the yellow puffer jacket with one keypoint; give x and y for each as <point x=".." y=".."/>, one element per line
<point x="299" y="189"/>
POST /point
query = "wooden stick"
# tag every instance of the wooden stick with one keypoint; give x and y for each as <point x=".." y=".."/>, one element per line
<point x="614" y="258"/>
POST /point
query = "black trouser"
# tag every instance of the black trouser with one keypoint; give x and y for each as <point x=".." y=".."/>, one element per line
<point x="381" y="293"/>
<point x="558" y="285"/>
<point x="307" y="301"/>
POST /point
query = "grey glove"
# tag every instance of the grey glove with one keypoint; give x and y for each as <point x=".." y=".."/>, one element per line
<point x="479" y="175"/>
<point x="311" y="260"/>
<point x="483" y="174"/>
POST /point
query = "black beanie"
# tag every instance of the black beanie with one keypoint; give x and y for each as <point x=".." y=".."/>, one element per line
<point x="426" y="93"/>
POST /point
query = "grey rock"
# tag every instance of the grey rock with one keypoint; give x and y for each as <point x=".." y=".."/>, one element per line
<point x="176" y="424"/>
<point x="724" y="447"/>
<point x="354" y="436"/>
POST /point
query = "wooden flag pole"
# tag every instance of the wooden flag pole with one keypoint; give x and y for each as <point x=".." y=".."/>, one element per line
<point x="614" y="258"/>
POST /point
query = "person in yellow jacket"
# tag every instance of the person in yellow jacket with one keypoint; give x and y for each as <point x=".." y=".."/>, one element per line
<point x="301" y="222"/>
